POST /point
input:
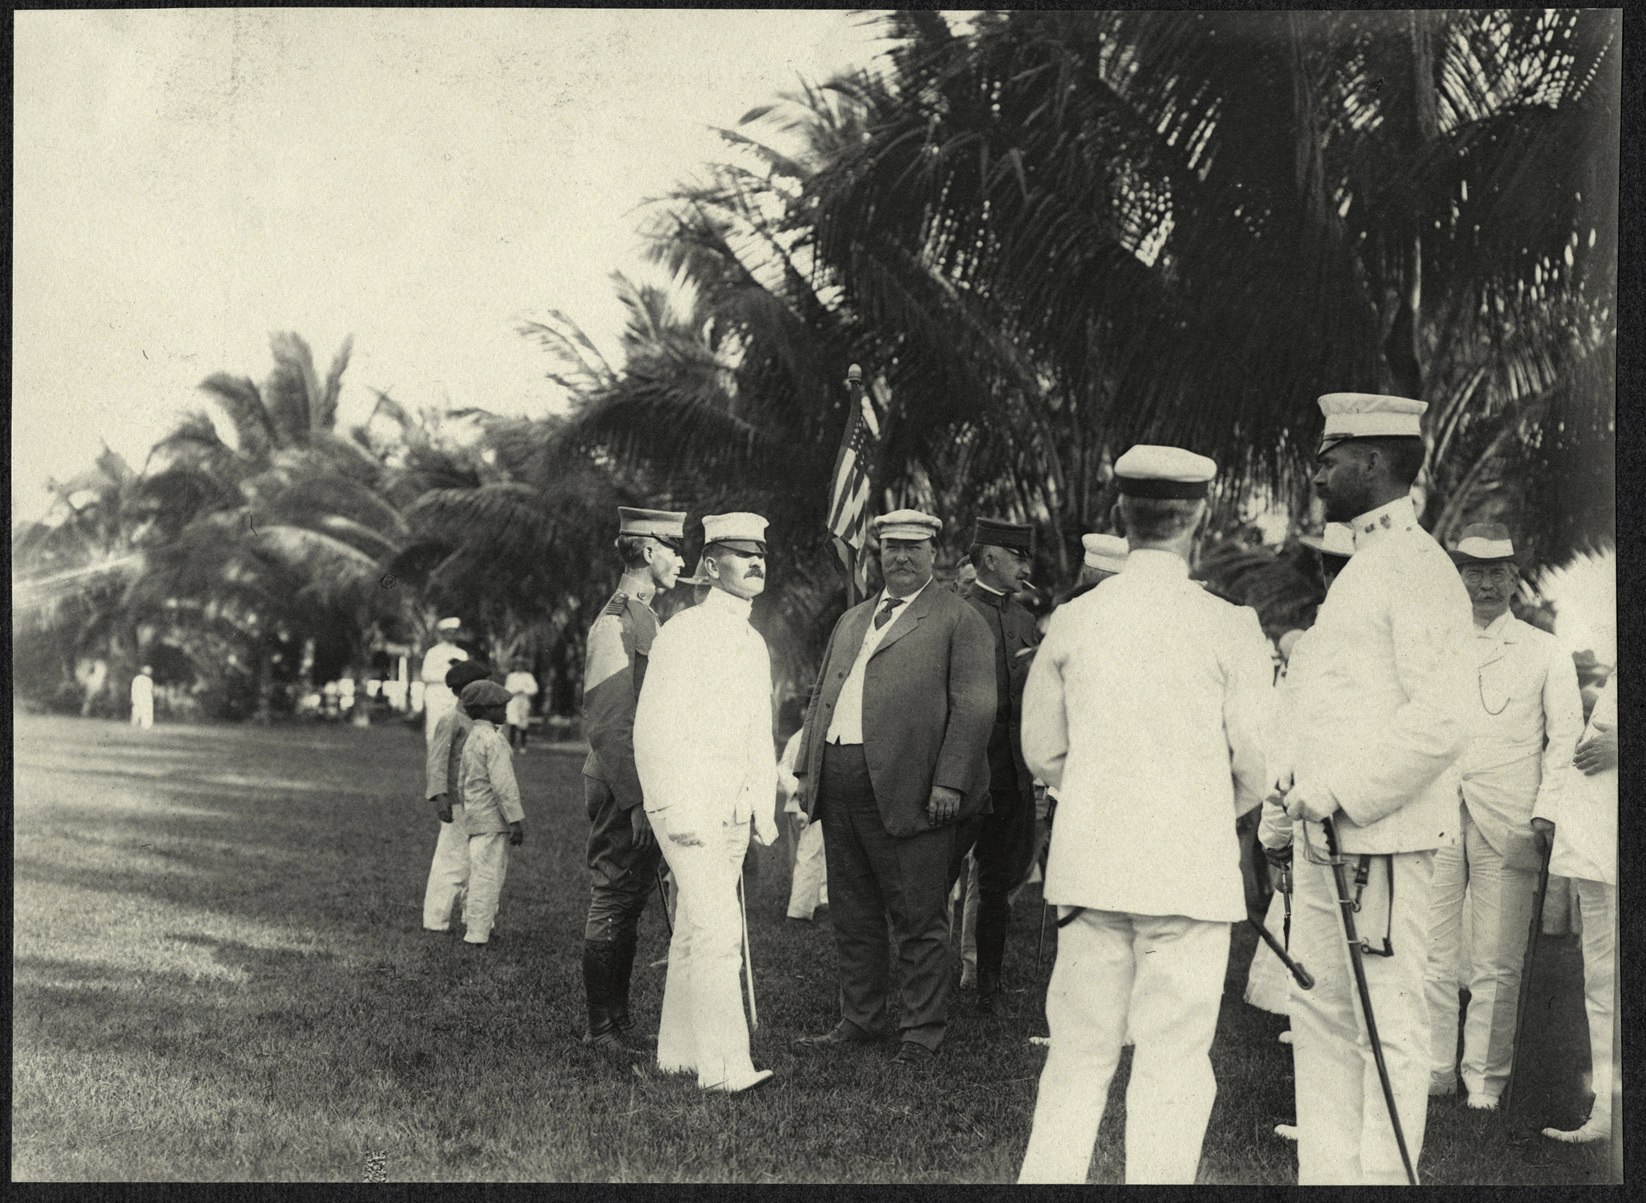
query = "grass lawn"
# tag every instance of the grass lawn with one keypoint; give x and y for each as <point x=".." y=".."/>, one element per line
<point x="219" y="972"/>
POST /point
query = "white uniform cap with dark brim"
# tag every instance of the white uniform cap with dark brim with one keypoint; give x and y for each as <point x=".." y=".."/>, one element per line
<point x="449" y="624"/>
<point x="1336" y="540"/>
<point x="738" y="531"/>
<point x="907" y="524"/>
<point x="1370" y="416"/>
<point x="1484" y="543"/>
<point x="1164" y="472"/>
<point x="1105" y="552"/>
<point x="667" y="526"/>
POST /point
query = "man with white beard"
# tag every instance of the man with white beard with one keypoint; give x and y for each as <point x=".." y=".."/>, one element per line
<point x="707" y="771"/>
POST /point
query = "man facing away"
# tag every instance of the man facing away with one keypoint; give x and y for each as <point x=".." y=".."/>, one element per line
<point x="708" y="770"/>
<point x="1146" y="709"/>
<point x="1389" y="711"/>
<point x="1528" y="719"/>
<point x="894" y="759"/>
<point x="622" y="853"/>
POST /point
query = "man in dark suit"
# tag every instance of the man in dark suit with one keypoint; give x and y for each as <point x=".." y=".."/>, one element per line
<point x="1005" y="835"/>
<point x="894" y="760"/>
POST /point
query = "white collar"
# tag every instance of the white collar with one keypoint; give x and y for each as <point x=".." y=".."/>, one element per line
<point x="885" y="595"/>
<point x="1500" y="628"/>
<point x="1397" y="515"/>
<point x="1151" y="561"/>
<point x="728" y="604"/>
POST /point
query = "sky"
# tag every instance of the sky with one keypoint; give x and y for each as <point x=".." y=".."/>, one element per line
<point x="188" y="181"/>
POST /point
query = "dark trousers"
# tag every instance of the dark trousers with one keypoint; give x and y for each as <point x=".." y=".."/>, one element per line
<point x="1004" y="850"/>
<point x="873" y="875"/>
<point x="622" y="876"/>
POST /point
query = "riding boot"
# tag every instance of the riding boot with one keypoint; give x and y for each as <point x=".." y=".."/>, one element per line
<point x="599" y="963"/>
<point x="623" y="952"/>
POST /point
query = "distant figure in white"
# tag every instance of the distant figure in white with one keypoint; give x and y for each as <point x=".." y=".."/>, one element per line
<point x="438" y="699"/>
<point x="142" y="699"/>
<point x="522" y="687"/>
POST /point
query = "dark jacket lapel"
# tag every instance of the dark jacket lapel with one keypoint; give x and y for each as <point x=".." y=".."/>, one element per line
<point x="911" y="616"/>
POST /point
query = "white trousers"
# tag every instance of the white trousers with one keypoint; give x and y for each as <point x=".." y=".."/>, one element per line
<point x="703" y="1027"/>
<point x="438" y="700"/>
<point x="1344" y="1133"/>
<point x="448" y="872"/>
<point x="488" y="865"/>
<point x="1471" y="874"/>
<point x="809" y="887"/>
<point x="142" y="714"/>
<point x="1163" y="977"/>
<point x="1597" y="903"/>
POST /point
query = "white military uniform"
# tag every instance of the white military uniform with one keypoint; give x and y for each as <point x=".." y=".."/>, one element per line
<point x="703" y="748"/>
<point x="1585" y="850"/>
<point x="1388" y="714"/>
<point x="1146" y="710"/>
<point x="438" y="699"/>
<point x="1269" y="984"/>
<point x="1528" y="718"/>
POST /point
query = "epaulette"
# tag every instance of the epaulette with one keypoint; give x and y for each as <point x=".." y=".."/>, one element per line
<point x="619" y="604"/>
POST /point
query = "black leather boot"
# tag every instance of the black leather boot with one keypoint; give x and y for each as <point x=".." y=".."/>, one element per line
<point x="623" y="951"/>
<point x="599" y="958"/>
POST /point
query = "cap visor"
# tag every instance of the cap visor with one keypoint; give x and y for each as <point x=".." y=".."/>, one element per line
<point x="749" y="546"/>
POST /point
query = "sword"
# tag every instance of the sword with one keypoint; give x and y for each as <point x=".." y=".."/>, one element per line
<point x="748" y="959"/>
<point x="663" y="898"/>
<point x="1509" y="1092"/>
<point x="1346" y="906"/>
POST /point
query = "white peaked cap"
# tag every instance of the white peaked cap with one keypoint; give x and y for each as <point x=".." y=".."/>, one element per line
<point x="1336" y="540"/>
<point x="1370" y="415"/>
<point x="1105" y="552"/>
<point x="740" y="531"/>
<point x="1164" y="472"/>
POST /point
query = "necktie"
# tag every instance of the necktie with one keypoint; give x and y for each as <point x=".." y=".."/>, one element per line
<point x="885" y="615"/>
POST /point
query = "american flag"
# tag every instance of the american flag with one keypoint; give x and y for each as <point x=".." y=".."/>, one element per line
<point x="849" y="496"/>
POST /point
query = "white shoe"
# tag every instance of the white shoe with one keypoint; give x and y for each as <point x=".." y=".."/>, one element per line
<point x="1587" y="1134"/>
<point x="1285" y="1038"/>
<point x="1442" y="1087"/>
<point x="1286" y="1131"/>
<point x="1483" y="1102"/>
<point x="737" y="1085"/>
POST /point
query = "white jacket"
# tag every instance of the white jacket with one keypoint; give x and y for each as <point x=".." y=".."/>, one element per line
<point x="1529" y="715"/>
<point x="1147" y="709"/>
<point x="1391" y="701"/>
<point x="703" y="724"/>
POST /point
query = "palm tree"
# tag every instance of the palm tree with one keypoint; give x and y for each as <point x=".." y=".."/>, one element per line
<point x="75" y="643"/>
<point x="1188" y="224"/>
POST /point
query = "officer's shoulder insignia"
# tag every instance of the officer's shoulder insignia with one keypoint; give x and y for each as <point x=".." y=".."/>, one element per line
<point x="619" y="604"/>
